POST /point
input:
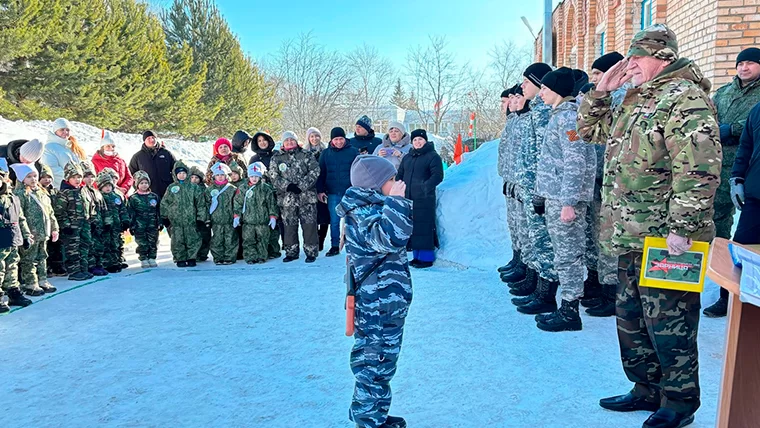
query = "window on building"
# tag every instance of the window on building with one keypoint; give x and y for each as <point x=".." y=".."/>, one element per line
<point x="602" y="41"/>
<point x="646" y="13"/>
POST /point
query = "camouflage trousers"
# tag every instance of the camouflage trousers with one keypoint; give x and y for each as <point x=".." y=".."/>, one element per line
<point x="185" y="242"/>
<point x="568" y="241"/>
<point x="255" y="241"/>
<point x="224" y="242"/>
<point x="113" y="250"/>
<point x="377" y="344"/>
<point x="205" y="233"/>
<point x="33" y="263"/>
<point x="147" y="243"/>
<point x="538" y="253"/>
<point x="9" y="259"/>
<point x="657" y="331"/>
<point x="97" y="248"/>
<point x="606" y="265"/>
<point x="513" y="214"/>
<point x="307" y="216"/>
<point x="273" y="248"/>
<point x="76" y="248"/>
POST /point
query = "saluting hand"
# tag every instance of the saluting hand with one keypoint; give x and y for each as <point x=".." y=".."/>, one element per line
<point x="398" y="189"/>
<point x="615" y="77"/>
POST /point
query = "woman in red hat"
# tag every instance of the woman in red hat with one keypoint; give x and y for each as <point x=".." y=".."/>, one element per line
<point x="223" y="153"/>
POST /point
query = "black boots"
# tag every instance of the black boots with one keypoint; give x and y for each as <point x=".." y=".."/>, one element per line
<point x="668" y="418"/>
<point x="566" y="318"/>
<point x="518" y="273"/>
<point x="628" y="403"/>
<point x="525" y="287"/>
<point x="289" y="259"/>
<point x="718" y="309"/>
<point x="311" y="259"/>
<point x="15" y="298"/>
<point x="191" y="263"/>
<point x="511" y="265"/>
<point x="334" y="251"/>
<point x="592" y="290"/>
<point x="606" y="306"/>
<point x="545" y="300"/>
<point x="181" y="264"/>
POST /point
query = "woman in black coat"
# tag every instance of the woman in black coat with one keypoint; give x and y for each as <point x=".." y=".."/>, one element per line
<point x="422" y="171"/>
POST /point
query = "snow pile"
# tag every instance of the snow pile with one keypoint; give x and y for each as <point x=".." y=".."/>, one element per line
<point x="472" y="214"/>
<point x="89" y="137"/>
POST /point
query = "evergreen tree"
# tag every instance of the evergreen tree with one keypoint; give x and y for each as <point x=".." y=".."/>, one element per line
<point x="25" y="25"/>
<point x="399" y="98"/>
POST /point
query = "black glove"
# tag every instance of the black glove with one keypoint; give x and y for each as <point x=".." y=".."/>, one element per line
<point x="292" y="188"/>
<point x="166" y="223"/>
<point x="27" y="243"/>
<point x="125" y="226"/>
<point x="538" y="205"/>
<point x="68" y="231"/>
<point x="200" y="224"/>
<point x="504" y="189"/>
<point x="106" y="228"/>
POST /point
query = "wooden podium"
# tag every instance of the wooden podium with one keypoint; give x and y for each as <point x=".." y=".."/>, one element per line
<point x="740" y="389"/>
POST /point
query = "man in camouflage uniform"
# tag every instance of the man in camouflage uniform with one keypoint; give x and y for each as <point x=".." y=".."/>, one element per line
<point x="541" y="282"/>
<point x="144" y="219"/>
<point x="506" y="156"/>
<point x="98" y="223"/>
<point x="14" y="232"/>
<point x="294" y="175"/>
<point x="74" y="210"/>
<point x="565" y="179"/>
<point x="184" y="207"/>
<point x="662" y="168"/>
<point x="119" y="219"/>
<point x="378" y="222"/>
<point x="733" y="102"/>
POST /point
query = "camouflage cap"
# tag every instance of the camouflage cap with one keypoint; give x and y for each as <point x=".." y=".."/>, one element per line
<point x="234" y="167"/>
<point x="140" y="176"/>
<point x="46" y="171"/>
<point x="106" y="176"/>
<point x="656" y="41"/>
<point x="87" y="168"/>
<point x="71" y="169"/>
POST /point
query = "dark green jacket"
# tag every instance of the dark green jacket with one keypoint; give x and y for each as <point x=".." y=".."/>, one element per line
<point x="259" y="204"/>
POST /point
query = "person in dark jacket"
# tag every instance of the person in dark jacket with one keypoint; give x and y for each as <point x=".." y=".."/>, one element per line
<point x="314" y="145"/>
<point x="334" y="179"/>
<point x="156" y="160"/>
<point x="364" y="136"/>
<point x="22" y="151"/>
<point x="745" y="181"/>
<point x="240" y="142"/>
<point x="263" y="149"/>
<point x="422" y="171"/>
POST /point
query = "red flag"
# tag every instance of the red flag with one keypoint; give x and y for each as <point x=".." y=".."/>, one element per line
<point x="458" y="150"/>
<point x="467" y="149"/>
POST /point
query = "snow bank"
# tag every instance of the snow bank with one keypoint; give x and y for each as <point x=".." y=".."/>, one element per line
<point x="472" y="214"/>
<point x="89" y="137"/>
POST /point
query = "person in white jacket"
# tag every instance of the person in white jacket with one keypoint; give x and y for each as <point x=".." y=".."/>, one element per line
<point x="60" y="149"/>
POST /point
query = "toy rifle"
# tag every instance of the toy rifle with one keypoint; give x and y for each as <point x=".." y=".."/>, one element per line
<point x="352" y="286"/>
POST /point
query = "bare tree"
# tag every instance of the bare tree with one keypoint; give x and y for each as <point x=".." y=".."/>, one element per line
<point x="437" y="80"/>
<point x="483" y="98"/>
<point x="373" y="78"/>
<point x="508" y="61"/>
<point x="311" y="82"/>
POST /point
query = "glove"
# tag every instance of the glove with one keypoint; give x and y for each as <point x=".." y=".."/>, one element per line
<point x="166" y="223"/>
<point x="504" y="189"/>
<point x="725" y="134"/>
<point x="538" y="205"/>
<point x="737" y="192"/>
<point x="200" y="224"/>
<point x="236" y="222"/>
<point x="106" y="228"/>
<point x="27" y="243"/>
<point x="125" y="226"/>
<point x="67" y="231"/>
<point x="292" y="188"/>
<point x="272" y="222"/>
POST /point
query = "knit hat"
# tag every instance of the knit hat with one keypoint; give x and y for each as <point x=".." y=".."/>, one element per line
<point x="147" y="134"/>
<point x="561" y="81"/>
<point x="371" y="172"/>
<point x="289" y="134"/>
<point x="22" y="170"/>
<point x="656" y="41"/>
<point x="106" y="138"/>
<point x="517" y="90"/>
<point x="240" y="141"/>
<point x="32" y="150"/>
<point x="179" y="169"/>
<point x="71" y="169"/>
<point x="749" y="54"/>
<point x="60" y="123"/>
<point x="221" y="142"/>
<point x="585" y="88"/>
<point x="220" y="169"/>
<point x="606" y="61"/>
<point x="398" y="125"/>
<point x="46" y="171"/>
<point x="581" y="78"/>
<point x="106" y="177"/>
<point x="257" y="169"/>
<point x="419" y="133"/>
<point x="312" y="130"/>
<point x="536" y="72"/>
<point x="365" y="122"/>
<point x="87" y="168"/>
<point x="507" y="92"/>
<point x="337" y="132"/>
<point x="140" y="176"/>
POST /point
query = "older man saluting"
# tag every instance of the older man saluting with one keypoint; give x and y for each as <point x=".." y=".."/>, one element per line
<point x="661" y="171"/>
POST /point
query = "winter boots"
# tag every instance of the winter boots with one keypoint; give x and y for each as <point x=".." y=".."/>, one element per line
<point x="525" y="287"/>
<point x="717" y="309"/>
<point x="334" y="251"/>
<point x="566" y="318"/>
<point x="516" y="274"/>
<point x="98" y="271"/>
<point x="79" y="276"/>
<point x="33" y="290"/>
<point x="289" y="259"/>
<point x="545" y="300"/>
<point x="511" y="265"/>
<point x="420" y="265"/>
<point x="182" y="264"/>
<point x="4" y="307"/>
<point x="15" y="298"/>
<point x="592" y="290"/>
<point x="113" y="269"/>
<point x="311" y="259"/>
<point x="628" y="403"/>
<point x="47" y="287"/>
<point x="668" y="418"/>
<point x="606" y="307"/>
<point x="191" y="263"/>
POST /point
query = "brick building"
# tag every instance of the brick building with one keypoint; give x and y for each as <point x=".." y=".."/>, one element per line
<point x="710" y="32"/>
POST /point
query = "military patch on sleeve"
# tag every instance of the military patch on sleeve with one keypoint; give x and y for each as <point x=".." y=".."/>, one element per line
<point x="573" y="136"/>
<point x="175" y="189"/>
<point x="117" y="200"/>
<point x="283" y="167"/>
<point x="153" y="202"/>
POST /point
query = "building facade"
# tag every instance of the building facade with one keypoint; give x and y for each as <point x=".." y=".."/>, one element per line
<point x="710" y="32"/>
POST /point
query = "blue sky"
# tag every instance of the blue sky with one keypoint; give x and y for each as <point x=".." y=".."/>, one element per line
<point x="472" y="27"/>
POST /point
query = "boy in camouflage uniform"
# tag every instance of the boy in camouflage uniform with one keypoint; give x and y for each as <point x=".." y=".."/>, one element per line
<point x="183" y="206"/>
<point x="38" y="211"/>
<point x="197" y="177"/>
<point x="73" y="209"/>
<point x="116" y="204"/>
<point x="257" y="208"/>
<point x="661" y="171"/>
<point x="220" y="198"/>
<point x="14" y="233"/>
<point x="378" y="222"/>
<point x="144" y="219"/>
<point x="237" y="179"/>
<point x="565" y="179"/>
<point x="506" y="154"/>
<point x="98" y="223"/>
<point x="54" y="248"/>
